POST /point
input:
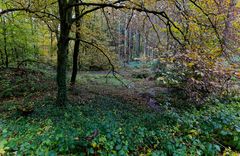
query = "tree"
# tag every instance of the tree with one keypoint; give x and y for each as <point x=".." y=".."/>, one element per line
<point x="64" y="10"/>
<point x="166" y="19"/>
<point x="76" y="47"/>
<point x="65" y="15"/>
<point x="4" y="33"/>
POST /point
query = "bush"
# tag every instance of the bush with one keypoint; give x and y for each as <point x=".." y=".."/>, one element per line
<point x="123" y="129"/>
<point x="200" y="78"/>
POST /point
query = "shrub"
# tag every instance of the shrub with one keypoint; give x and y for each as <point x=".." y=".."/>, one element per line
<point x="199" y="76"/>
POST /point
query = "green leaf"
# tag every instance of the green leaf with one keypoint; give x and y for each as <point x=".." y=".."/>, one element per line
<point x="237" y="129"/>
<point x="52" y="153"/>
<point x="91" y="151"/>
<point x="217" y="147"/>
<point x="118" y="147"/>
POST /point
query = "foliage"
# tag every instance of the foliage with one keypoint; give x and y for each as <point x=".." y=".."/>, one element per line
<point x="167" y="74"/>
<point x="192" y="46"/>
<point x="22" y="39"/>
<point x="123" y="129"/>
<point x="33" y="125"/>
<point x="87" y="78"/>
<point x="200" y="77"/>
<point x="91" y="58"/>
<point x="20" y="82"/>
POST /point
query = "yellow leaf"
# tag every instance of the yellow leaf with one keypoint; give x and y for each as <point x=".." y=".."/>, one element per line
<point x="190" y="64"/>
<point x="2" y="151"/>
<point x="94" y="144"/>
<point x="193" y="132"/>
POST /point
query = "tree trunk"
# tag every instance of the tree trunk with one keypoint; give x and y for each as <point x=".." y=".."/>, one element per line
<point x="13" y="40"/>
<point x="132" y="45"/>
<point x="125" y="40"/>
<point x="5" y="41"/>
<point x="51" y="44"/>
<point x="228" y="24"/>
<point x="145" y="47"/>
<point x="139" y="44"/>
<point x="65" y="16"/>
<point x="33" y="31"/>
<point x="76" y="48"/>
<point x="129" y="44"/>
<point x="2" y="58"/>
<point x="61" y="68"/>
<point x="119" y="40"/>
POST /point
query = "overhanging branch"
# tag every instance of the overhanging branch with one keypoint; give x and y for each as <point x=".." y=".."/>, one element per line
<point x="28" y="10"/>
<point x="114" y="72"/>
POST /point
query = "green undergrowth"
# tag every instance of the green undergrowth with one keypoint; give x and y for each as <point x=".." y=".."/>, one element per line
<point x="122" y="129"/>
<point x="32" y="124"/>
<point x="20" y="82"/>
<point x="101" y="79"/>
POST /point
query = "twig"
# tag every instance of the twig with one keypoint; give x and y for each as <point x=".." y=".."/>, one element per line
<point x="219" y="143"/>
<point x="109" y="27"/>
<point x="130" y="19"/>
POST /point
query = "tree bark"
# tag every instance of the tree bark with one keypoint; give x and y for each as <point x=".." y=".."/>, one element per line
<point x="65" y="25"/>
<point x="139" y="44"/>
<point x="5" y="41"/>
<point x="125" y="40"/>
<point x="228" y="24"/>
<point x="33" y="31"/>
<point x="129" y="44"/>
<point x="2" y="58"/>
<point x="76" y="48"/>
<point x="119" y="40"/>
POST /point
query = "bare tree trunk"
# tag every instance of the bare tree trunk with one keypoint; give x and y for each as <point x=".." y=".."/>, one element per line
<point x="125" y="39"/>
<point x="13" y="46"/>
<point x="130" y="42"/>
<point x="51" y="44"/>
<point x="119" y="40"/>
<point x="65" y="26"/>
<point x="139" y="44"/>
<point x="2" y="58"/>
<point x="132" y="45"/>
<point x="33" y="31"/>
<point x="128" y="45"/>
<point x="145" y="46"/>
<point x="76" y="48"/>
<point x="228" y="24"/>
<point x="5" y="41"/>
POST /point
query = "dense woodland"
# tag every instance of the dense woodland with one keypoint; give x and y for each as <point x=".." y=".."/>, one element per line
<point x="120" y="77"/>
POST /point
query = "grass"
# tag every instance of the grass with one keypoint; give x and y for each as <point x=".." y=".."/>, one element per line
<point x="105" y="124"/>
<point x="100" y="79"/>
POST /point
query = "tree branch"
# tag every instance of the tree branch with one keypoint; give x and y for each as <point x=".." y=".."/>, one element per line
<point x="212" y="24"/>
<point x="114" y="72"/>
<point x="28" y="10"/>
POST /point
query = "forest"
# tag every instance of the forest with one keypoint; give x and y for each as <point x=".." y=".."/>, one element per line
<point x="120" y="77"/>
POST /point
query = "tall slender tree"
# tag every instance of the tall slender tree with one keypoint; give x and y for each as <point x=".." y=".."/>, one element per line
<point x="4" y="33"/>
<point x="76" y="47"/>
<point x="65" y="14"/>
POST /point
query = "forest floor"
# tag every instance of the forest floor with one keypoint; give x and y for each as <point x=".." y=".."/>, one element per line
<point x="107" y="118"/>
